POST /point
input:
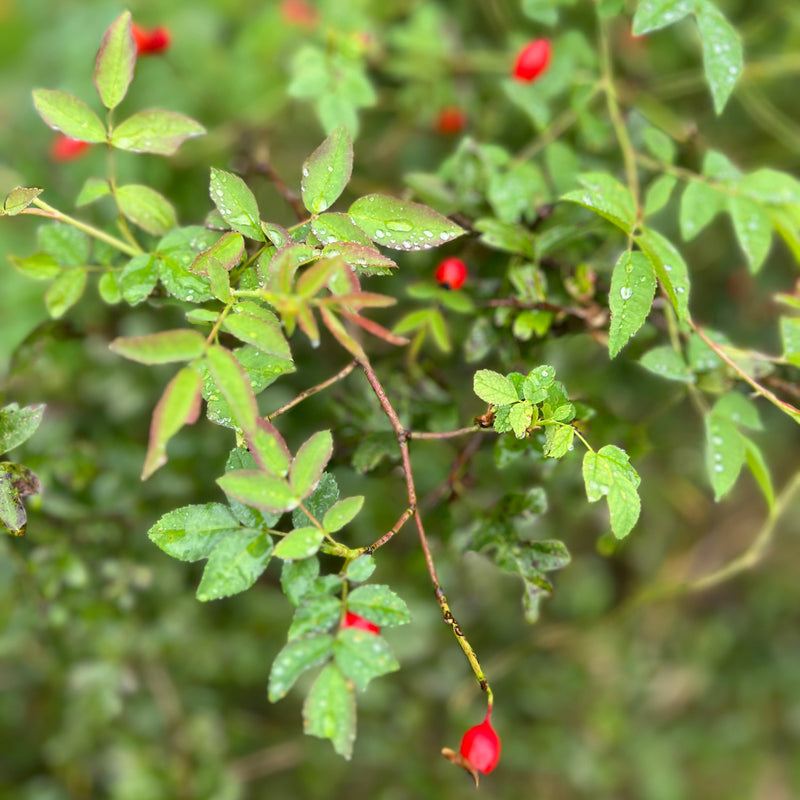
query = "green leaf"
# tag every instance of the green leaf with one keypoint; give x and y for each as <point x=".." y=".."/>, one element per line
<point x="607" y="197"/>
<point x="116" y="59"/>
<point x="633" y="287"/>
<point x="519" y="418"/>
<point x="147" y="208"/>
<point x="327" y="171"/>
<point x="241" y="458"/>
<point x="739" y="410"/>
<point x="506" y="237"/>
<point x="658" y="194"/>
<point x="790" y="334"/>
<point x="494" y="388"/>
<point x="654" y="14"/>
<point x="17" y="200"/>
<point x="155" y="131"/>
<point x="659" y="144"/>
<point x="753" y="230"/>
<point x="558" y="440"/>
<point x="670" y="268"/>
<point x="318" y="503"/>
<point x="666" y="363"/>
<point x="258" y="490"/>
<point x="38" y="267"/>
<point x="378" y="604"/>
<point x="69" y="246"/>
<point x="401" y="224"/>
<point x="329" y="711"/>
<point x="513" y="192"/>
<point x="310" y="462"/>
<point x="725" y="453"/>
<point x="771" y="186"/>
<point x="17" y="425"/>
<point x="269" y="448"/>
<point x="16" y="482"/>
<point x="179" y="405"/>
<point x="235" y="564"/>
<point x="69" y="115"/>
<point x="342" y="513"/>
<point x="300" y="543"/>
<point x="362" y="656"/>
<point x="262" y="332"/>
<point x="227" y="250"/>
<point x="165" y="347"/>
<point x="700" y="203"/>
<point x="315" y="614"/>
<point x="608" y="473"/>
<point x="192" y="532"/>
<point x="298" y="656"/>
<point x="760" y="470"/>
<point x="65" y="291"/>
<point x="722" y="52"/>
<point x="236" y="203"/>
<point x="298" y="579"/>
<point x="138" y="279"/>
<point x="233" y="382"/>
<point x="334" y="227"/>
<point x="92" y="189"/>
<point x="360" y="569"/>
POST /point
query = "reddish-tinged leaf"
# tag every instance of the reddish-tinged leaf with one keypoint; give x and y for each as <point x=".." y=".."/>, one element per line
<point x="370" y="326"/>
<point x="164" y="347"/>
<point x="113" y="70"/>
<point x="333" y="324"/>
<point x="232" y="381"/>
<point x="179" y="405"/>
<point x="269" y="448"/>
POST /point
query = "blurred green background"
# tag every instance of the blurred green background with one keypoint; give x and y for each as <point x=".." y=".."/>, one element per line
<point x="115" y="682"/>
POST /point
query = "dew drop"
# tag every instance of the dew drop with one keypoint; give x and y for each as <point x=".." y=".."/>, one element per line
<point x="626" y="292"/>
<point x="400" y="225"/>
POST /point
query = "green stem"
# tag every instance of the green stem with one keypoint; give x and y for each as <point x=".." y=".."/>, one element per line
<point x="45" y="210"/>
<point x="615" y="114"/>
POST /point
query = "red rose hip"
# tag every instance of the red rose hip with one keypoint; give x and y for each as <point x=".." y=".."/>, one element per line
<point x="451" y="120"/>
<point x="451" y="273"/>
<point x="354" y="621"/>
<point x="64" y="148"/>
<point x="147" y="42"/>
<point x="481" y="746"/>
<point x="532" y="60"/>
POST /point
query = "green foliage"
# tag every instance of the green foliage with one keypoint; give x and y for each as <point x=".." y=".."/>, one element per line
<point x="335" y="379"/>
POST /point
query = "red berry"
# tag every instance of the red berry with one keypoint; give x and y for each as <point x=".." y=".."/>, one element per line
<point x="451" y="273"/>
<point x="154" y="41"/>
<point x="481" y="746"/>
<point x="299" y="12"/>
<point x="354" y="621"/>
<point x="451" y="120"/>
<point x="532" y="60"/>
<point x="64" y="148"/>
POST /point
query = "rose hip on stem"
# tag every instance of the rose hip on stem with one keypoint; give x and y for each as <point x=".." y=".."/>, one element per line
<point x="451" y="120"/>
<point x="480" y="749"/>
<point x="451" y="273"/>
<point x="63" y="148"/>
<point x="354" y="621"/>
<point x="148" y="42"/>
<point x="532" y="60"/>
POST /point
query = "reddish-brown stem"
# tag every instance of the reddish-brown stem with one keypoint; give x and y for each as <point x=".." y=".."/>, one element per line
<point x="441" y="434"/>
<point x="762" y="390"/>
<point x="340" y="375"/>
<point x="402" y="440"/>
<point x="390" y="533"/>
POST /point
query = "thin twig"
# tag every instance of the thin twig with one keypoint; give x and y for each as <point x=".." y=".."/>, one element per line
<point x="390" y="533"/>
<point x="402" y="440"/>
<point x="340" y="375"/>
<point x="793" y="412"/>
<point x="441" y="434"/>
